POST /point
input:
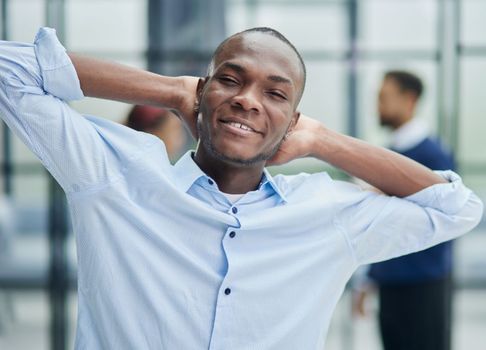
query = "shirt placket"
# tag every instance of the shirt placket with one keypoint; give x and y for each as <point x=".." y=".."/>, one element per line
<point x="227" y="293"/>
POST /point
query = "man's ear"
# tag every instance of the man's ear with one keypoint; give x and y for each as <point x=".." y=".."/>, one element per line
<point x="293" y="123"/>
<point x="295" y="120"/>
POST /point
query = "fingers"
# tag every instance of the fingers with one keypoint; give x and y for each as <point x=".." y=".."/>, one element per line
<point x="359" y="304"/>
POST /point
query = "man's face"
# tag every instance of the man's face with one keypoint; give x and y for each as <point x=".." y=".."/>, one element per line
<point x="249" y="101"/>
<point x="393" y="104"/>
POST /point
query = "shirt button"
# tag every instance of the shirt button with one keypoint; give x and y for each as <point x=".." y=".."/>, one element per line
<point x="232" y="234"/>
<point x="234" y="210"/>
<point x="210" y="181"/>
<point x="227" y="291"/>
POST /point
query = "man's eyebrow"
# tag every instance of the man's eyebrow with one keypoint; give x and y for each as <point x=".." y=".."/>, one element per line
<point x="234" y="66"/>
<point x="279" y="79"/>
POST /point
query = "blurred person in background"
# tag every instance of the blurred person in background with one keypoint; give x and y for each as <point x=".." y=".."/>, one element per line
<point x="415" y="291"/>
<point x="161" y="123"/>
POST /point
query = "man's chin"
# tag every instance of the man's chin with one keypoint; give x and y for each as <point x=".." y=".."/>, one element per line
<point x="236" y="159"/>
<point x="384" y="123"/>
<point x="237" y="155"/>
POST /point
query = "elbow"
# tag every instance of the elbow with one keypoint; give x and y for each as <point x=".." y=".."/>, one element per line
<point x="472" y="213"/>
<point x="464" y="221"/>
<point x="477" y="211"/>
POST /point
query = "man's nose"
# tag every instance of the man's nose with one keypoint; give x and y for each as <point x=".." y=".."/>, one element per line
<point x="247" y="99"/>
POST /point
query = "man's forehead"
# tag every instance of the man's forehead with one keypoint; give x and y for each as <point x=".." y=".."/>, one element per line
<point x="392" y="83"/>
<point x="267" y="48"/>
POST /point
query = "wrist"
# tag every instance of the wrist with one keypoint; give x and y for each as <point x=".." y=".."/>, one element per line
<point x="169" y="93"/>
<point x="184" y="94"/>
<point x="319" y="142"/>
<point x="178" y="95"/>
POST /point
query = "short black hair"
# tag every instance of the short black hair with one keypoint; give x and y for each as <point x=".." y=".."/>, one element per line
<point x="264" y="30"/>
<point x="407" y="81"/>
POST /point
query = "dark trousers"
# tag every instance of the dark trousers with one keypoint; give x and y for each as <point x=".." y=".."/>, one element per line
<point x="417" y="316"/>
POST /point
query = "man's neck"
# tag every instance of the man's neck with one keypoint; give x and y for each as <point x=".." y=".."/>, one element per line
<point x="231" y="178"/>
<point x="409" y="135"/>
<point x="402" y="121"/>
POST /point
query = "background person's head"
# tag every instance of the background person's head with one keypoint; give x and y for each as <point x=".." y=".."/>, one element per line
<point x="161" y="123"/>
<point x="398" y="97"/>
<point x="249" y="99"/>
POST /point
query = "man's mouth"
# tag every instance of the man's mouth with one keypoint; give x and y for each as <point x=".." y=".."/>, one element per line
<point x="239" y="126"/>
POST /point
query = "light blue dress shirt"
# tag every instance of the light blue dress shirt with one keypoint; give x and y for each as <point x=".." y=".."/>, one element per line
<point x="165" y="261"/>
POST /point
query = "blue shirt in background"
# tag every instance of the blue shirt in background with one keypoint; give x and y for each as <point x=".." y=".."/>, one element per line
<point x="430" y="264"/>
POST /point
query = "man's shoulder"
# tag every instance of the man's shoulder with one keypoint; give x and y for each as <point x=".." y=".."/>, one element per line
<point x="321" y="189"/>
<point x="311" y="184"/>
<point x="432" y="144"/>
<point x="432" y="153"/>
<point x="302" y="178"/>
<point x="128" y="146"/>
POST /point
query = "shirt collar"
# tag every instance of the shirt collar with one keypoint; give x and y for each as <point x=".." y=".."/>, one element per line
<point x="268" y="179"/>
<point x="409" y="135"/>
<point x="187" y="172"/>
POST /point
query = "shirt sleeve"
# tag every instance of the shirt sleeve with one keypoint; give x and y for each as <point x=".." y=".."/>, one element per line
<point x="379" y="227"/>
<point x="35" y="83"/>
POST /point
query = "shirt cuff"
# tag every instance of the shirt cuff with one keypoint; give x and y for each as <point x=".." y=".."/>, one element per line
<point x="448" y="198"/>
<point x="58" y="74"/>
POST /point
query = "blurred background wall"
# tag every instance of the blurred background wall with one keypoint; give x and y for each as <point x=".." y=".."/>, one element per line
<point x="347" y="45"/>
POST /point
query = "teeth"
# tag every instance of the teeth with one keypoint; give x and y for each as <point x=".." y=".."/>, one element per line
<point x="241" y="126"/>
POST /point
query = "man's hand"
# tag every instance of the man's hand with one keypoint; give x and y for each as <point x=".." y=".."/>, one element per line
<point x="299" y="142"/>
<point x="359" y="303"/>
<point x="188" y="104"/>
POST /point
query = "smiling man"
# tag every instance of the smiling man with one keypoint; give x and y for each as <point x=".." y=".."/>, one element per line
<point x="248" y="103"/>
<point x="214" y="252"/>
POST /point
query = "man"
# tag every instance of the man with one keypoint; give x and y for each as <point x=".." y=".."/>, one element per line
<point x="214" y="252"/>
<point x="414" y="290"/>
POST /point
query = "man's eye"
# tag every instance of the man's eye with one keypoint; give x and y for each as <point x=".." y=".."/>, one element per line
<point x="227" y="80"/>
<point x="278" y="95"/>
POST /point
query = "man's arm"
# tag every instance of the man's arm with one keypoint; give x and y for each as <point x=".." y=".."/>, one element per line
<point x="388" y="171"/>
<point x="114" y="81"/>
<point x="437" y="206"/>
<point x="81" y="152"/>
